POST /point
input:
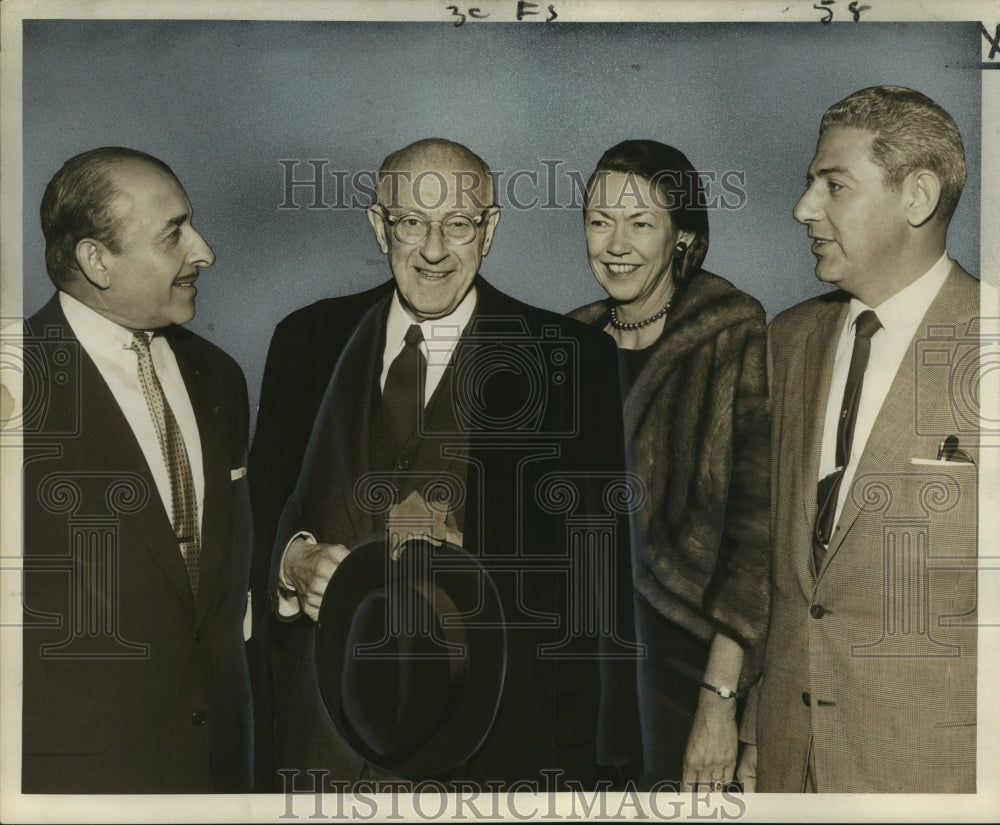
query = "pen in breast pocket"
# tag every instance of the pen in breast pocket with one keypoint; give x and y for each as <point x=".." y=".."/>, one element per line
<point x="947" y="448"/>
<point x="948" y="451"/>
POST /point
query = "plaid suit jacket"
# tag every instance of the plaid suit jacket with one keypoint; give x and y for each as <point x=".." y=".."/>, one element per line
<point x="871" y="661"/>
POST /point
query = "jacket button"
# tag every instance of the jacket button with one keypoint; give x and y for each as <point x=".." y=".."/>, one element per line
<point x="806" y="698"/>
<point x="403" y="464"/>
<point x="197" y="637"/>
<point x="817" y="611"/>
<point x="199" y="718"/>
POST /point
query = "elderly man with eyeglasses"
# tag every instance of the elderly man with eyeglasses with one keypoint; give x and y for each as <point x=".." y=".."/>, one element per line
<point x="440" y="408"/>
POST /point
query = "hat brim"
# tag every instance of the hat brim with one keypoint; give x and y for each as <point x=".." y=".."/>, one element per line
<point x="367" y="569"/>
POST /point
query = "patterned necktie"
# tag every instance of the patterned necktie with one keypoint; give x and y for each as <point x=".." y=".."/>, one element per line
<point x="828" y="489"/>
<point x="403" y="394"/>
<point x="168" y="433"/>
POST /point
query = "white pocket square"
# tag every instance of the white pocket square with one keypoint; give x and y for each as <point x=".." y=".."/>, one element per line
<point x="237" y="474"/>
<point x="940" y="462"/>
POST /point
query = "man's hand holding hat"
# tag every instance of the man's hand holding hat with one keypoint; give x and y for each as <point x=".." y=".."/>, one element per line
<point x="307" y="568"/>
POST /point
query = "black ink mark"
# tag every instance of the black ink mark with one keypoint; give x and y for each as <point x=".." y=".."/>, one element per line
<point x="524" y="7"/>
<point x="983" y="65"/>
<point x="824" y="8"/>
<point x="856" y="11"/>
<point x="993" y="41"/>
<point x="475" y="13"/>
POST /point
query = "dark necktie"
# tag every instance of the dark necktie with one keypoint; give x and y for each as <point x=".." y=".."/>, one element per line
<point x="828" y="489"/>
<point x="403" y="394"/>
<point x="182" y="492"/>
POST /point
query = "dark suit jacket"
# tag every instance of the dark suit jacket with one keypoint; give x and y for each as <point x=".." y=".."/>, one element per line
<point x="554" y="713"/>
<point x="130" y="685"/>
<point x="873" y="660"/>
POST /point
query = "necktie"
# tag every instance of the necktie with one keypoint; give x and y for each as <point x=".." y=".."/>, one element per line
<point x="182" y="492"/>
<point x="828" y="489"/>
<point x="403" y="394"/>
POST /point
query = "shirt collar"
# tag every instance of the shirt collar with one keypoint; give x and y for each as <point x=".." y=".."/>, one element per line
<point x="92" y="329"/>
<point x="902" y="312"/>
<point x="445" y="330"/>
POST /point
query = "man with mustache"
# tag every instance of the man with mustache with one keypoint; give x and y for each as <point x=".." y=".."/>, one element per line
<point x="136" y="509"/>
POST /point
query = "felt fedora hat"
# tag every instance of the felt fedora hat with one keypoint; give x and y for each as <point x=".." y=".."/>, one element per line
<point x="411" y="655"/>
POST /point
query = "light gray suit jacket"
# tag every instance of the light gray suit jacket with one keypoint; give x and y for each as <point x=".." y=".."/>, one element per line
<point x="871" y="662"/>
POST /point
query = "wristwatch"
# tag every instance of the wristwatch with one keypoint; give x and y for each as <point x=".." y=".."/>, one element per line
<point x="724" y="692"/>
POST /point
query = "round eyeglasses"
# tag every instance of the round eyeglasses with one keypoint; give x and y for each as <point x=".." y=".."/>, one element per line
<point x="412" y="228"/>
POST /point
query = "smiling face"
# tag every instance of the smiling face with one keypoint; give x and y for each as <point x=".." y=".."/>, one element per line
<point x="630" y="242"/>
<point x="860" y="227"/>
<point x="433" y="275"/>
<point x="150" y="281"/>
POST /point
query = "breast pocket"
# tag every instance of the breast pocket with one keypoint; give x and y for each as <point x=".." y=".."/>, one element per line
<point x="933" y="508"/>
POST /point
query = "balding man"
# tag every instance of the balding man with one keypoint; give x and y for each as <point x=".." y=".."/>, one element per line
<point x="511" y="407"/>
<point x="136" y="509"/>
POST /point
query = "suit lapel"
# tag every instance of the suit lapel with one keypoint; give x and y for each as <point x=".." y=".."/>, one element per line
<point x="110" y="430"/>
<point x="891" y="436"/>
<point x="894" y="432"/>
<point x="441" y="423"/>
<point x="108" y="441"/>
<point x="490" y="508"/>
<point x="351" y="395"/>
<point x="208" y="411"/>
<point x="820" y="350"/>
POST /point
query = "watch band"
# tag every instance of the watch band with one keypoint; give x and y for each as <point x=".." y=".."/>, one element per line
<point x="724" y="692"/>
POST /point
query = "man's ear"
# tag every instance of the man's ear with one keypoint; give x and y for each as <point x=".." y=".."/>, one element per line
<point x="922" y="190"/>
<point x="93" y="257"/>
<point x="377" y="220"/>
<point x="491" y="220"/>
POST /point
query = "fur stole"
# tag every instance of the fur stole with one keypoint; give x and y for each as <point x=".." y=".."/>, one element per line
<point x="697" y="435"/>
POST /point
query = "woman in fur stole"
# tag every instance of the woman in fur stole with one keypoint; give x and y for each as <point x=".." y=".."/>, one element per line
<point x="694" y="388"/>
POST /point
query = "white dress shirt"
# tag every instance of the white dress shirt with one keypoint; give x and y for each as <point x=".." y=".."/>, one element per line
<point x="900" y="316"/>
<point x="109" y="347"/>
<point x="441" y="336"/>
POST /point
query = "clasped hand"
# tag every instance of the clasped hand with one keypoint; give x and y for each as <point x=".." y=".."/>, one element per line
<point x="309" y="566"/>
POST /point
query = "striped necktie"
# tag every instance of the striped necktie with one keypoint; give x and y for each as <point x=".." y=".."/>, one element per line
<point x="168" y="433"/>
